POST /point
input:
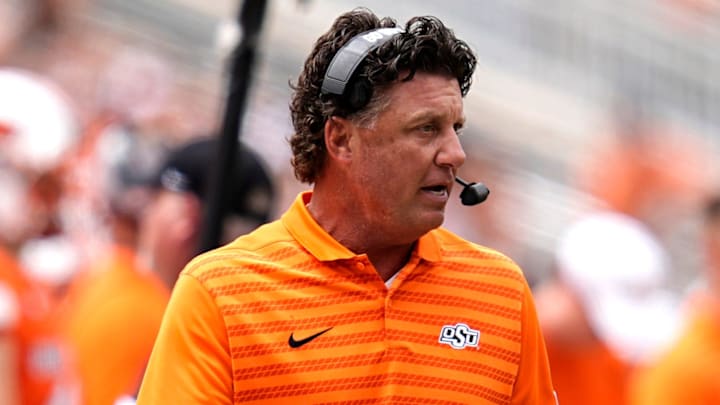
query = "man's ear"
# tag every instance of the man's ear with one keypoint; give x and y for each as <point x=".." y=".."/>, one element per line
<point x="338" y="132"/>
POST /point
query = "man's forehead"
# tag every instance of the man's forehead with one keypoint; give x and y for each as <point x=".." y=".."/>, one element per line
<point x="424" y="87"/>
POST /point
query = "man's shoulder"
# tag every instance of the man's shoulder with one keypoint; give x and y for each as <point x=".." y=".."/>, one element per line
<point x="267" y="245"/>
<point x="478" y="257"/>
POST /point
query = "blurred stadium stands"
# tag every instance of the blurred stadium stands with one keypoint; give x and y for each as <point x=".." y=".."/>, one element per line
<point x="552" y="76"/>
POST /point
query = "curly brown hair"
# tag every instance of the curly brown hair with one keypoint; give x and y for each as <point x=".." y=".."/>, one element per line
<point x="426" y="45"/>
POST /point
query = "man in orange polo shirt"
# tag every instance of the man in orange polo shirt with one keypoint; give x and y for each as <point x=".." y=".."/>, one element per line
<point x="357" y="294"/>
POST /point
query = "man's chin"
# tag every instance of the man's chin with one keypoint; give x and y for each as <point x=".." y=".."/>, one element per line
<point x="428" y="221"/>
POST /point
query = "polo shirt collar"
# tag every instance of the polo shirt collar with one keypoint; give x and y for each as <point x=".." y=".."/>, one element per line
<point x="303" y="227"/>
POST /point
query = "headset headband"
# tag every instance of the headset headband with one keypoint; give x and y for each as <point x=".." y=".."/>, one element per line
<point x="347" y="59"/>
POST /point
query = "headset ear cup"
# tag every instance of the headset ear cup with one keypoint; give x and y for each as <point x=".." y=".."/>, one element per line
<point x="359" y="94"/>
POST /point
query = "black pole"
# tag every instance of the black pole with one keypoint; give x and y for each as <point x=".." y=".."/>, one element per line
<point x="250" y="19"/>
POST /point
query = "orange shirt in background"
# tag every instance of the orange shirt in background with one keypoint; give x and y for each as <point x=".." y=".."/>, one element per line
<point x="112" y="317"/>
<point x="10" y="320"/>
<point x="287" y="314"/>
<point x="688" y="372"/>
<point x="584" y="370"/>
<point x="588" y="375"/>
<point x="35" y="331"/>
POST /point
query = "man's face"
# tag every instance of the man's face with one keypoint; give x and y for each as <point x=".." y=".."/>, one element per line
<point x="168" y="233"/>
<point x="404" y="165"/>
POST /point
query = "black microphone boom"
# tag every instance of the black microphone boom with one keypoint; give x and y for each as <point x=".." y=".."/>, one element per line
<point x="472" y="193"/>
<point x="240" y="72"/>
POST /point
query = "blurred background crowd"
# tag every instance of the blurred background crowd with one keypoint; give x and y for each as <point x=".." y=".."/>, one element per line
<point x="595" y="124"/>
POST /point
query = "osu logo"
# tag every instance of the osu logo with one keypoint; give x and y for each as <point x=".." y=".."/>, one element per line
<point x="459" y="336"/>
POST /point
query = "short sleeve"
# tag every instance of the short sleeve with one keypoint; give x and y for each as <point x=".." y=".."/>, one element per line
<point x="190" y="362"/>
<point x="533" y="384"/>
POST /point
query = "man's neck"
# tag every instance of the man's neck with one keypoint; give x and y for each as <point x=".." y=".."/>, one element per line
<point x="348" y="228"/>
<point x="389" y="261"/>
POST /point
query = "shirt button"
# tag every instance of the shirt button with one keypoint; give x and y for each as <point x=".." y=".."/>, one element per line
<point x="360" y="266"/>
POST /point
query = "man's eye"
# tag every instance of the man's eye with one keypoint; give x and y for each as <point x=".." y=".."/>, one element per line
<point x="459" y="129"/>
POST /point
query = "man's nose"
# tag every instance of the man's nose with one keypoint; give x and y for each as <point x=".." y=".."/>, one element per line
<point x="451" y="152"/>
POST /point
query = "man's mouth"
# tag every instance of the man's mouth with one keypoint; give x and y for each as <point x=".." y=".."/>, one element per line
<point x="439" y="190"/>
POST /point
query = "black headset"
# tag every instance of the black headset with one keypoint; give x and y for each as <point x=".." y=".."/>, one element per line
<point x="355" y="94"/>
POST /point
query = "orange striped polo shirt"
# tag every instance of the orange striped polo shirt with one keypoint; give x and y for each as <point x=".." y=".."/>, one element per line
<point x="287" y="314"/>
